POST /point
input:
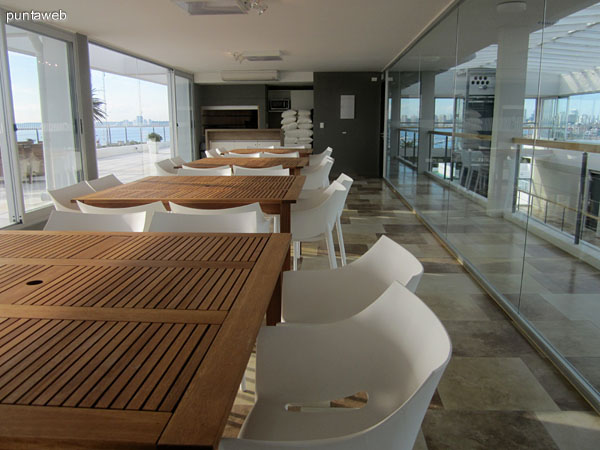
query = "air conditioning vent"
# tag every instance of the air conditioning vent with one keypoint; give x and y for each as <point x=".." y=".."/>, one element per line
<point x="250" y="75"/>
<point x="213" y="7"/>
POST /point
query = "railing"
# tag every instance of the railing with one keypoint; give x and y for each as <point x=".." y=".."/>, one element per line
<point x="407" y="148"/>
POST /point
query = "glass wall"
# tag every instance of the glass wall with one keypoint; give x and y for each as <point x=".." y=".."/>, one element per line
<point x="507" y="161"/>
<point x="131" y="112"/>
<point x="183" y="113"/>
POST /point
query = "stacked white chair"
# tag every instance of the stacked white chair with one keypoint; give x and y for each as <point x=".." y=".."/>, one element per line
<point x="396" y="350"/>
<point x="244" y="222"/>
<point x="73" y="221"/>
<point x="62" y="197"/>
<point x="263" y="222"/>
<point x="221" y="171"/>
<point x="149" y="209"/>
<point x="165" y="168"/>
<point x="316" y="223"/>
<point x="317" y="177"/>
<point x="278" y="171"/>
<point x="280" y="155"/>
<point x="322" y="296"/>
<point x="105" y="182"/>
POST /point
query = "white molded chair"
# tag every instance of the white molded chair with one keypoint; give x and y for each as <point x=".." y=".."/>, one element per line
<point x="62" y="197"/>
<point x="106" y="182"/>
<point x="322" y="296"/>
<point x="72" y="221"/>
<point x="280" y="155"/>
<point x="317" y="176"/>
<point x="244" y="222"/>
<point x="165" y="168"/>
<point x="317" y="222"/>
<point x="178" y="160"/>
<point x="212" y="153"/>
<point x="221" y="171"/>
<point x="149" y="209"/>
<point x="396" y="351"/>
<point x="301" y="147"/>
<point x="272" y="171"/>
<point x="315" y="160"/>
<point x="243" y="155"/>
<point x="262" y="222"/>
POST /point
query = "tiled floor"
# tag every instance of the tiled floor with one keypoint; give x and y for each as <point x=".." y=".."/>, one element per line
<point x="497" y="392"/>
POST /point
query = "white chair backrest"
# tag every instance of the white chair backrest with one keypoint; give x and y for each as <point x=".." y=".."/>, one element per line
<point x="178" y="161"/>
<point x="212" y="153"/>
<point x="318" y="177"/>
<point x="72" y="221"/>
<point x="165" y="168"/>
<point x="396" y="350"/>
<point x="62" y="197"/>
<point x="316" y="159"/>
<point x="149" y="209"/>
<point x="220" y="171"/>
<point x="262" y="223"/>
<point x="243" y="155"/>
<point x="105" y="182"/>
<point x="245" y="222"/>
<point x="271" y="171"/>
<point x="280" y="155"/>
<point x="309" y="223"/>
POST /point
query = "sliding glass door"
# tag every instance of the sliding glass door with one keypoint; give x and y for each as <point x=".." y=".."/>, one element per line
<point x="41" y="143"/>
<point x="183" y="117"/>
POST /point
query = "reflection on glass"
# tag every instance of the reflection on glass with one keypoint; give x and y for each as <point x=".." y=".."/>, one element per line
<point x="514" y="186"/>
<point x="183" y="102"/>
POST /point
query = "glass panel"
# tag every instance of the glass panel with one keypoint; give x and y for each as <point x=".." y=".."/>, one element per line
<point x="41" y="92"/>
<point x="131" y="98"/>
<point x="5" y="217"/>
<point x="183" y="107"/>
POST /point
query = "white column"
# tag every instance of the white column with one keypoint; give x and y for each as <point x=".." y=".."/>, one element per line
<point x="511" y="75"/>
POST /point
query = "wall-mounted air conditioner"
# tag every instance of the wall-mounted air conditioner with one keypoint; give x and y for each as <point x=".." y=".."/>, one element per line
<point x="250" y="75"/>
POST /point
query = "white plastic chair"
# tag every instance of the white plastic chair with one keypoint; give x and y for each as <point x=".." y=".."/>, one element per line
<point x="72" y="221"/>
<point x="396" y="351"/>
<point x="178" y="161"/>
<point x="317" y="222"/>
<point x="315" y="160"/>
<point x="212" y="153"/>
<point x="243" y="155"/>
<point x="221" y="171"/>
<point x="262" y="222"/>
<point x="244" y="222"/>
<point x="165" y="168"/>
<point x="280" y="155"/>
<point x="271" y="171"/>
<point x="62" y="197"/>
<point x="149" y="209"/>
<point x="106" y="182"/>
<point x="322" y="296"/>
<point x="318" y="176"/>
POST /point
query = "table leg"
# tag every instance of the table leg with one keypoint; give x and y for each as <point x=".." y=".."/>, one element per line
<point x="285" y="226"/>
<point x="274" y="309"/>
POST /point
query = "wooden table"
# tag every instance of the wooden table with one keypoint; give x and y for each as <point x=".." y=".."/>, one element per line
<point x="301" y="151"/>
<point x="294" y="164"/>
<point x="128" y="340"/>
<point x="275" y="194"/>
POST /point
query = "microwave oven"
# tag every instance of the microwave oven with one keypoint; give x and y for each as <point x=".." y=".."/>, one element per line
<point x="279" y="105"/>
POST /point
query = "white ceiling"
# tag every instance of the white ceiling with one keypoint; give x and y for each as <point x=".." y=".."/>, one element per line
<point x="314" y="35"/>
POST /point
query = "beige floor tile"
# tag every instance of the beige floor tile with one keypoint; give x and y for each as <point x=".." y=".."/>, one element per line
<point x="573" y="429"/>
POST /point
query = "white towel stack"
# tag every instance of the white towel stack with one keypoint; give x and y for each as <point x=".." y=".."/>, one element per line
<point x="297" y="127"/>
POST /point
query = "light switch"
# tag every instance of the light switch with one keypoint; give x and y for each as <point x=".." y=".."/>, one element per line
<point x="322" y="125"/>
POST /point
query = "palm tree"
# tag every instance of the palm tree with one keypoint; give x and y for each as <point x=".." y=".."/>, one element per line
<point x="98" y="107"/>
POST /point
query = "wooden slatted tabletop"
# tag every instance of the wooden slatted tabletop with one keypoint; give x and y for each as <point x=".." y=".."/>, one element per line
<point x="302" y="151"/>
<point x="275" y="194"/>
<point x="128" y="340"/>
<point x="294" y="164"/>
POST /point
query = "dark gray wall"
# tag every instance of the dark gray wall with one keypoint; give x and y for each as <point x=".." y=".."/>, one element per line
<point x="355" y="142"/>
<point x="236" y="94"/>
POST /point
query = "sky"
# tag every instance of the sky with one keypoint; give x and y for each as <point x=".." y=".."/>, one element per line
<point x="126" y="97"/>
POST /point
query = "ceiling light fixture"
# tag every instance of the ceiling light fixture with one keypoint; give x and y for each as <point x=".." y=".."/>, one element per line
<point x="511" y="7"/>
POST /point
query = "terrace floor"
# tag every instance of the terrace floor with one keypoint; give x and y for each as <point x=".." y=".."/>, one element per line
<point x="498" y="392"/>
